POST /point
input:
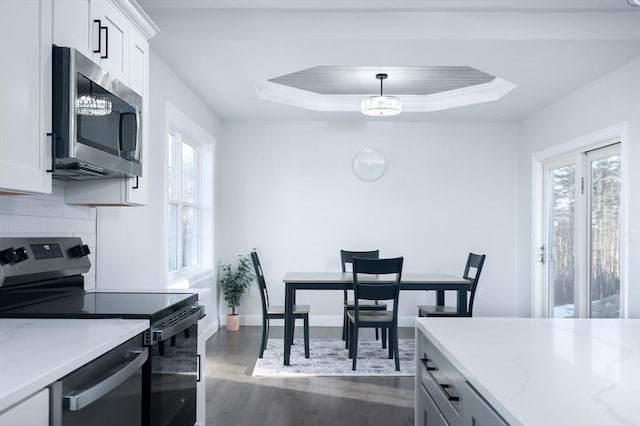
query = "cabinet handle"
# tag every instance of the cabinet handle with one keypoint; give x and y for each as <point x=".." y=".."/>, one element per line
<point x="106" y="42"/>
<point x="445" y="388"/>
<point x="425" y="361"/>
<point x="199" y="367"/>
<point x="136" y="186"/>
<point x="99" y="22"/>
<point x="53" y="152"/>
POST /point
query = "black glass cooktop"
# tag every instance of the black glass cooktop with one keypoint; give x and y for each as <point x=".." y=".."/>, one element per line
<point x="151" y="306"/>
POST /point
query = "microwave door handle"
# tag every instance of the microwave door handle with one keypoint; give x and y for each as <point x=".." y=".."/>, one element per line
<point x="77" y="400"/>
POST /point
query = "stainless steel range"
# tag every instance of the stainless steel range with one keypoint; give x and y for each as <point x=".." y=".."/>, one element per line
<point x="42" y="278"/>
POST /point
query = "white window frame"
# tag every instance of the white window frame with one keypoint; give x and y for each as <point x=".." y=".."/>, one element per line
<point x="179" y="123"/>
<point x="585" y="143"/>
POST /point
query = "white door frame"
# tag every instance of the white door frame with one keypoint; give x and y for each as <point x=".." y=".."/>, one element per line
<point x="595" y="140"/>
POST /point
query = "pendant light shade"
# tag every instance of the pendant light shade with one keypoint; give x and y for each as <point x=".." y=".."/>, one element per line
<point x="381" y="106"/>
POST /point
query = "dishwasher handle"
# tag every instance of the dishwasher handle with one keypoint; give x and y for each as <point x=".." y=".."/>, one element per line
<point x="79" y="399"/>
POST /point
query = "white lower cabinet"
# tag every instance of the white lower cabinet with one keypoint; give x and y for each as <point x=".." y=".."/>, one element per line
<point x="429" y="414"/>
<point x="33" y="411"/>
<point x="443" y="395"/>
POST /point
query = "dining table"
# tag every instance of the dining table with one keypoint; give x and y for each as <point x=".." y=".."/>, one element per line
<point x="295" y="281"/>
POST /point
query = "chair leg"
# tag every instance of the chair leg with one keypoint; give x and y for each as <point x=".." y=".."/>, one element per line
<point x="348" y="339"/>
<point x="384" y="338"/>
<point x="306" y="336"/>
<point x="395" y="345"/>
<point x="344" y="324"/>
<point x="265" y="334"/>
<point x="354" y="345"/>
<point x="390" y="343"/>
<point x="377" y="336"/>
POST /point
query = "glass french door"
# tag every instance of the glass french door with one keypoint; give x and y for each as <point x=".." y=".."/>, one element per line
<point x="581" y="252"/>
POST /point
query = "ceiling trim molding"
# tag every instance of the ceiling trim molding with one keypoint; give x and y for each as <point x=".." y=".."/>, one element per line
<point x="470" y="95"/>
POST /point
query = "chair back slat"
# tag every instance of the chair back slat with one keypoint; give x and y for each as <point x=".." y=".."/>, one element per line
<point x="262" y="284"/>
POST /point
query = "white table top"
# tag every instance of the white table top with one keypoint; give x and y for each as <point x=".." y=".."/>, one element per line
<point x="347" y="277"/>
<point x="544" y="371"/>
<point x="36" y="352"/>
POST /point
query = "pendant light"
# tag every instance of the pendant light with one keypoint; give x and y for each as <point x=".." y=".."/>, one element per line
<point x="381" y="106"/>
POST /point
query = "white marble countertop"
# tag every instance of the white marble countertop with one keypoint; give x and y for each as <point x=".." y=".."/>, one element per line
<point x="36" y="352"/>
<point x="547" y="371"/>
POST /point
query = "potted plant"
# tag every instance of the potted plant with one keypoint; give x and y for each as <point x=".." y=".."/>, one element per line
<point x="233" y="283"/>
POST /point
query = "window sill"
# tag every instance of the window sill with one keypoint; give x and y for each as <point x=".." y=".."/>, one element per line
<point x="189" y="279"/>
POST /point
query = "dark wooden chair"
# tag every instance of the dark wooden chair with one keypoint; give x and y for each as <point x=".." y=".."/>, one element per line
<point x="346" y="257"/>
<point x="372" y="291"/>
<point x="270" y="312"/>
<point x="472" y="271"/>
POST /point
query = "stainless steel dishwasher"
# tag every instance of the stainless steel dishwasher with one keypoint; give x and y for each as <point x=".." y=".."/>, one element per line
<point x="106" y="391"/>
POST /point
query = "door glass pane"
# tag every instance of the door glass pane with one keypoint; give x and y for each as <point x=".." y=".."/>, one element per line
<point x="561" y="252"/>
<point x="605" y="237"/>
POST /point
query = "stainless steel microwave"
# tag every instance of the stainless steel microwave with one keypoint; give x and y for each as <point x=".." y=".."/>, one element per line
<point x="96" y="127"/>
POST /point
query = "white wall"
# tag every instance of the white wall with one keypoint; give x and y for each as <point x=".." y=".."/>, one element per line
<point x="133" y="241"/>
<point x="608" y="101"/>
<point x="287" y="189"/>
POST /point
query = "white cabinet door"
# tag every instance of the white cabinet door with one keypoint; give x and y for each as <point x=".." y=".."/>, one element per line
<point x="73" y="25"/>
<point x="113" y="40"/>
<point x="138" y="62"/>
<point x="33" y="411"/>
<point x="25" y="103"/>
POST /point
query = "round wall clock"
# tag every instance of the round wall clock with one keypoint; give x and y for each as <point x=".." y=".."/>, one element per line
<point x="368" y="165"/>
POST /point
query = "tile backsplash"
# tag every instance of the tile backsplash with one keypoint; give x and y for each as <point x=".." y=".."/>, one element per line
<point x="48" y="215"/>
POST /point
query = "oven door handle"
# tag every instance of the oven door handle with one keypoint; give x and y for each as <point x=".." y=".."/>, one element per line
<point x="77" y="400"/>
<point x="163" y="333"/>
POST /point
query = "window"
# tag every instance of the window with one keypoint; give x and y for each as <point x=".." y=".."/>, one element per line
<point x="184" y="202"/>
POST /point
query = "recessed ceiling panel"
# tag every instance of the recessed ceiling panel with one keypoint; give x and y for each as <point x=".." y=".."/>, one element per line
<point x="418" y="80"/>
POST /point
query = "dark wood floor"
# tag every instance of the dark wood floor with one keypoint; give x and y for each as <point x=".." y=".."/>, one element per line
<point x="234" y="398"/>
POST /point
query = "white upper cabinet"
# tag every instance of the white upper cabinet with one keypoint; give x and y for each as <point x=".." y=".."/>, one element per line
<point x="114" y="34"/>
<point x="25" y="103"/>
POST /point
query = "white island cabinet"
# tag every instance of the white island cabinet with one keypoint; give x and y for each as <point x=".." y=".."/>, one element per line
<point x="527" y="371"/>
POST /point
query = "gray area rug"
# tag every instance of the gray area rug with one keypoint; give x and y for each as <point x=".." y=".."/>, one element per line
<point x="328" y="357"/>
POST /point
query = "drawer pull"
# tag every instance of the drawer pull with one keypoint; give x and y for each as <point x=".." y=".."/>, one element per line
<point x="426" y="361"/>
<point x="445" y="388"/>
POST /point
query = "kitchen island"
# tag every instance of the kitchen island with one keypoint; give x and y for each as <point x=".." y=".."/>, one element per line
<point x="526" y="371"/>
<point x="36" y="352"/>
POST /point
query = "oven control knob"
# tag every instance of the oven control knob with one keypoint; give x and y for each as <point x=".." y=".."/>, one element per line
<point x="80" y="250"/>
<point x="12" y="255"/>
